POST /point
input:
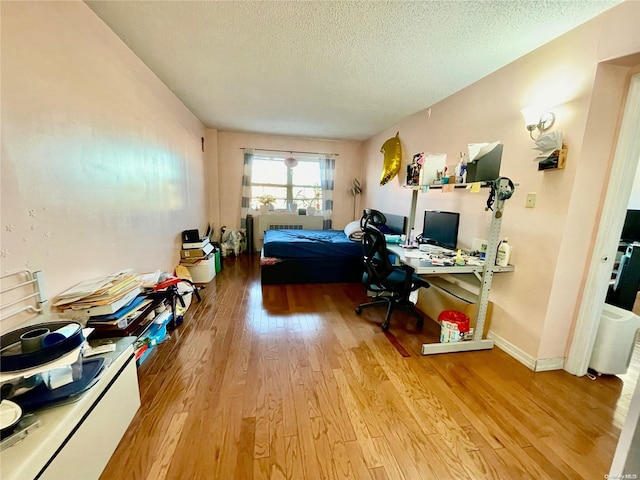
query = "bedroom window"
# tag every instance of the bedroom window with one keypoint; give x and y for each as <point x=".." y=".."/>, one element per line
<point x="292" y="188"/>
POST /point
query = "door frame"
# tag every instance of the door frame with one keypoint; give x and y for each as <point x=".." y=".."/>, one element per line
<point x="620" y="184"/>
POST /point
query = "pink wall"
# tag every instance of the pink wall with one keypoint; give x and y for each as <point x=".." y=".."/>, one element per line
<point x="535" y="305"/>
<point x="101" y="164"/>
<point x="230" y="162"/>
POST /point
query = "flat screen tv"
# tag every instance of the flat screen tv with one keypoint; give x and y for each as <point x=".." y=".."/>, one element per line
<point x="441" y="228"/>
<point x="631" y="228"/>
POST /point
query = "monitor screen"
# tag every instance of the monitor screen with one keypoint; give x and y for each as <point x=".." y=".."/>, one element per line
<point x="441" y="228"/>
<point x="631" y="228"/>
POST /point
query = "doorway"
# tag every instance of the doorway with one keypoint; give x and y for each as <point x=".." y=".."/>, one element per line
<point x="625" y="162"/>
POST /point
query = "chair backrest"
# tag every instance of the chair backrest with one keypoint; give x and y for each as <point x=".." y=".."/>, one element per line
<point x="372" y="217"/>
<point x="377" y="266"/>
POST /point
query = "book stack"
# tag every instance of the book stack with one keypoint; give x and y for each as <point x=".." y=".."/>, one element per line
<point x="199" y="258"/>
<point x="121" y="318"/>
<point x="101" y="296"/>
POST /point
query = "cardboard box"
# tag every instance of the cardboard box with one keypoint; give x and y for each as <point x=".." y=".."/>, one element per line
<point x="444" y="295"/>
<point x="196" y="252"/>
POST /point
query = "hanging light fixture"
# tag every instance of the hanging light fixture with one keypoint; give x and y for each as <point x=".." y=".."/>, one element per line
<point x="290" y="162"/>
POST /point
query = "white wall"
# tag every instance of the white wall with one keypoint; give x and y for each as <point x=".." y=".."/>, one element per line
<point x="535" y="306"/>
<point x="102" y="166"/>
<point x="634" y="199"/>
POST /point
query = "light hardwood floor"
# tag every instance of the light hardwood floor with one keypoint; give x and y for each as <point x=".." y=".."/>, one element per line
<point x="288" y="382"/>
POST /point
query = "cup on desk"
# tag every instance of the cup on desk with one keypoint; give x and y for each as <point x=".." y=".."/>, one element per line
<point x="31" y="341"/>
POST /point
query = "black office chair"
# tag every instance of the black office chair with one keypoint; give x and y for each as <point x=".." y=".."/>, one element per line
<point x="391" y="284"/>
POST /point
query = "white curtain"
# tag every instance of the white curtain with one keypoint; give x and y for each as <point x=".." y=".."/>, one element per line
<point x="327" y="174"/>
<point x="246" y="187"/>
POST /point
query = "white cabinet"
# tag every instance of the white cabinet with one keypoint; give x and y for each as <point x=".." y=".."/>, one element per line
<point x="75" y="441"/>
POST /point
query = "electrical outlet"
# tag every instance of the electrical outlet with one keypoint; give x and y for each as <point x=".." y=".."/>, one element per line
<point x="531" y="200"/>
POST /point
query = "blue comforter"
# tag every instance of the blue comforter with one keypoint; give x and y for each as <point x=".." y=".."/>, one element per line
<point x="309" y="244"/>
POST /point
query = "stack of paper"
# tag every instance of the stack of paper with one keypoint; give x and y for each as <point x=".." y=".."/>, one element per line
<point x="101" y="296"/>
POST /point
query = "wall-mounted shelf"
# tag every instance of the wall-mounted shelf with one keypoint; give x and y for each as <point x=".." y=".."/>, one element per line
<point x="460" y="185"/>
<point x="418" y="188"/>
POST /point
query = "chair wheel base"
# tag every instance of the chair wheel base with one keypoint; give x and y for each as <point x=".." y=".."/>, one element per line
<point x="358" y="310"/>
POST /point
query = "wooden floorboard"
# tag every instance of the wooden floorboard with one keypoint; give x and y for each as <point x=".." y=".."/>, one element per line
<point x="287" y="382"/>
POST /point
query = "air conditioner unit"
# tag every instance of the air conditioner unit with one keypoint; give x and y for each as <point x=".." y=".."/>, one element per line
<point x="279" y="221"/>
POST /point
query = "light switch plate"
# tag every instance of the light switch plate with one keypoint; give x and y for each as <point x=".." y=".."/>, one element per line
<point x="531" y="200"/>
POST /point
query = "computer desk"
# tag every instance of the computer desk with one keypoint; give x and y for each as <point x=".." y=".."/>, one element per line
<point x="484" y="273"/>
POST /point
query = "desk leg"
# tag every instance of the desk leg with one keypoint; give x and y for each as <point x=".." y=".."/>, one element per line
<point x="478" y="343"/>
<point x="433" y="348"/>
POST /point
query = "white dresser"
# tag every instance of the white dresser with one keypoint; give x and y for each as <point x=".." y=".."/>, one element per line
<point x="75" y="441"/>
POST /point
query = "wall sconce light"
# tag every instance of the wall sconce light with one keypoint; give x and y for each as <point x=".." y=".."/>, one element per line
<point x="536" y="120"/>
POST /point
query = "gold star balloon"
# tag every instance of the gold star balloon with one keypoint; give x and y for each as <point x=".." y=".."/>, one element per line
<point x="392" y="151"/>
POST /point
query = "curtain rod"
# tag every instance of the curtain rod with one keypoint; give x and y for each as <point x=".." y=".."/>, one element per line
<point x="289" y="151"/>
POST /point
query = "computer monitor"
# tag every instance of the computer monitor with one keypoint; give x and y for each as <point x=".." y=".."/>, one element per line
<point x="441" y="228"/>
<point x="631" y="228"/>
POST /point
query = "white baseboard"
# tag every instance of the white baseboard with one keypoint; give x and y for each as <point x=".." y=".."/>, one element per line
<point x="524" y="358"/>
<point x="537" y="365"/>
<point x="547" y="364"/>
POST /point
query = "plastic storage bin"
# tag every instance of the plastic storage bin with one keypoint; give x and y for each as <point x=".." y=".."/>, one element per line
<point x="615" y="340"/>
<point x="204" y="271"/>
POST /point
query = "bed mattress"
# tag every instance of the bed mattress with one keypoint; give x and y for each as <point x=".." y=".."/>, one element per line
<point x="310" y="244"/>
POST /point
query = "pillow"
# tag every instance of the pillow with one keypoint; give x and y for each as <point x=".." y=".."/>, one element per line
<point x="353" y="231"/>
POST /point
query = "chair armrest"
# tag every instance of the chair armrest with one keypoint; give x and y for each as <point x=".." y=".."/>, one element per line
<point x="408" y="279"/>
<point x="407" y="268"/>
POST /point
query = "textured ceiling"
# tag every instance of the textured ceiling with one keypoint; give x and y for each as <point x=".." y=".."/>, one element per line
<point x="330" y="69"/>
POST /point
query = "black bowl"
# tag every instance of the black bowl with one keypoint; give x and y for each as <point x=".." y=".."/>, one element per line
<point x="13" y="359"/>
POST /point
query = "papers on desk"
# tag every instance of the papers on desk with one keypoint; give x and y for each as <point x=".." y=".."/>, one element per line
<point x="444" y="261"/>
<point x="430" y="257"/>
<point x="474" y="261"/>
<point x="416" y="254"/>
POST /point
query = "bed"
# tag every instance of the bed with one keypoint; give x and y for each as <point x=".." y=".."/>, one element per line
<point x="316" y="256"/>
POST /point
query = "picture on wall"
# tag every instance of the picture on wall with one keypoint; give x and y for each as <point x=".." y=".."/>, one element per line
<point x="414" y="169"/>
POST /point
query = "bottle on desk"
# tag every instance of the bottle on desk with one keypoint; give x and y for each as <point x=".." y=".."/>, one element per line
<point x="461" y="169"/>
<point x="504" y="252"/>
